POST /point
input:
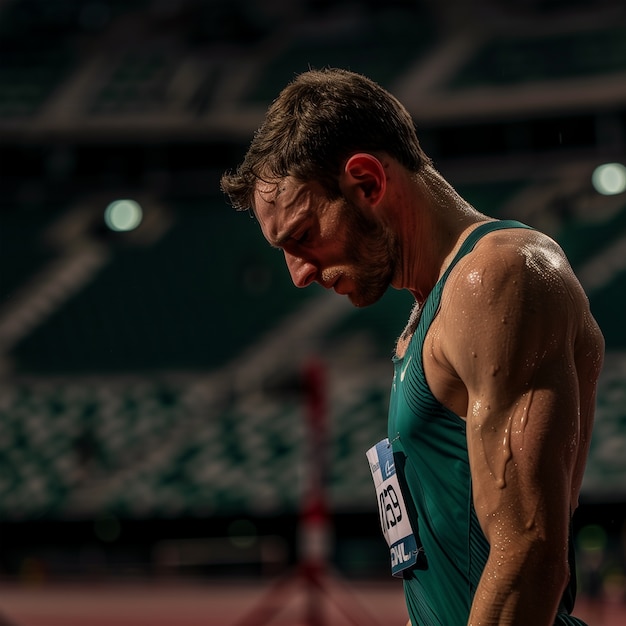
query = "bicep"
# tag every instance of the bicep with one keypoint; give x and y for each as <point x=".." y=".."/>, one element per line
<point x="515" y="358"/>
<point x="522" y="454"/>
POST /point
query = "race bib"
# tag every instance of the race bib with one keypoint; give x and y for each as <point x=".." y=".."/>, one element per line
<point x="394" y="519"/>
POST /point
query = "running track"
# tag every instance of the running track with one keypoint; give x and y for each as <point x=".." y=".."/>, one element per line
<point x="218" y="604"/>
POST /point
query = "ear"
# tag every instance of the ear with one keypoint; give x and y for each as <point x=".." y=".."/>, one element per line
<point x="363" y="179"/>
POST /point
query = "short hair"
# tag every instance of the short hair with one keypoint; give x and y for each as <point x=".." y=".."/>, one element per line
<point x="315" y="124"/>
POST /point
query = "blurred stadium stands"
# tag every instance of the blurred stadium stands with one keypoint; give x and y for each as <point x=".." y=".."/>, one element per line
<point x="140" y="371"/>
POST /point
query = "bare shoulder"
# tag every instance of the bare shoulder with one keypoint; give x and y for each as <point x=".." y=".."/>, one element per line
<point x="516" y="290"/>
<point x="529" y="251"/>
<point x="520" y="265"/>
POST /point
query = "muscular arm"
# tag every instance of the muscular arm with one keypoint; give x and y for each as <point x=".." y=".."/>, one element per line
<point x="510" y="331"/>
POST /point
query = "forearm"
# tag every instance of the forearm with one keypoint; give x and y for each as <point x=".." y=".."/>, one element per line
<point x="520" y="592"/>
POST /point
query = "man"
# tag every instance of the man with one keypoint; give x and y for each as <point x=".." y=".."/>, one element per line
<point x="495" y="374"/>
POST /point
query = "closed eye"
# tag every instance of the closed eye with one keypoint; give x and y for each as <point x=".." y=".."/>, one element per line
<point x="303" y="237"/>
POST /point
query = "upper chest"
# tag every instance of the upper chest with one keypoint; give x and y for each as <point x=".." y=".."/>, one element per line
<point x="441" y="379"/>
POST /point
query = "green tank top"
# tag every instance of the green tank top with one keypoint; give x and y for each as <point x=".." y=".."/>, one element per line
<point x="431" y="459"/>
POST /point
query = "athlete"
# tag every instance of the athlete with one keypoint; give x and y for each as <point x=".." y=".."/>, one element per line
<point x="493" y="396"/>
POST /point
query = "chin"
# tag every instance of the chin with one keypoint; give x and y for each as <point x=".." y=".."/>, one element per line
<point x="360" y="301"/>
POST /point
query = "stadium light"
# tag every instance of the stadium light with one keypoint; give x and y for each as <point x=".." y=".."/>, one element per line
<point x="609" y="179"/>
<point x="123" y="215"/>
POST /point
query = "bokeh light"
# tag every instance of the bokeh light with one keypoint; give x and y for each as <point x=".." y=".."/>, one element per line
<point x="609" y="179"/>
<point x="123" y="215"/>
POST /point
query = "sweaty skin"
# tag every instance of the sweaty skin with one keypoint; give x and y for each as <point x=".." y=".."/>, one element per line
<point x="514" y="350"/>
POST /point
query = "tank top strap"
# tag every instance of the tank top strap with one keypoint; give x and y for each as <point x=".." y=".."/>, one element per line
<point x="433" y="300"/>
<point x="472" y="239"/>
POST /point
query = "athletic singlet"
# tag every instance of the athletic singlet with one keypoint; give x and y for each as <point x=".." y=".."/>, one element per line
<point x="431" y="460"/>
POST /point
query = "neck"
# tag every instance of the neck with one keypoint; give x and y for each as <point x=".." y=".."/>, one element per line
<point x="433" y="222"/>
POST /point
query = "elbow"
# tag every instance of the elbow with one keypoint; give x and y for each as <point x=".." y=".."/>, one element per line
<point x="549" y="564"/>
<point x="547" y="561"/>
<point x="530" y="554"/>
<point x="552" y="558"/>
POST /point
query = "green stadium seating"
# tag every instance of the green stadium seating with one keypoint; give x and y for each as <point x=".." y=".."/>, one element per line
<point x="119" y="406"/>
<point x="382" y="45"/>
<point x="519" y="59"/>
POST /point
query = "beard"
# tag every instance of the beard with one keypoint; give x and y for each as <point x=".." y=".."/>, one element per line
<point x="371" y="256"/>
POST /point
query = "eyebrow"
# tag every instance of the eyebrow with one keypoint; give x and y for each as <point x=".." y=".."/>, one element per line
<point x="282" y="238"/>
<point x="280" y="241"/>
<point x="287" y="234"/>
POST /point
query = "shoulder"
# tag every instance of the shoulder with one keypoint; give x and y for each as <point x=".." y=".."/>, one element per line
<point x="514" y="262"/>
<point x="515" y="291"/>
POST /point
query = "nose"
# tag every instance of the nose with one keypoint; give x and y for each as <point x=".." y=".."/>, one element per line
<point x="302" y="272"/>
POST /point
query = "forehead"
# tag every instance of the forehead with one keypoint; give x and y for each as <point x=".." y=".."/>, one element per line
<point x="279" y="204"/>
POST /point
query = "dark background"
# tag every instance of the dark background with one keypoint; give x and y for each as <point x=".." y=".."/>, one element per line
<point x="149" y="379"/>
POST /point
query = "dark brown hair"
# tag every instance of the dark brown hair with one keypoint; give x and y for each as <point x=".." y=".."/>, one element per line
<point x="317" y="122"/>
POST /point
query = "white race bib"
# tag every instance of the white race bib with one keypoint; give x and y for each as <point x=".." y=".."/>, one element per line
<point x="394" y="519"/>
